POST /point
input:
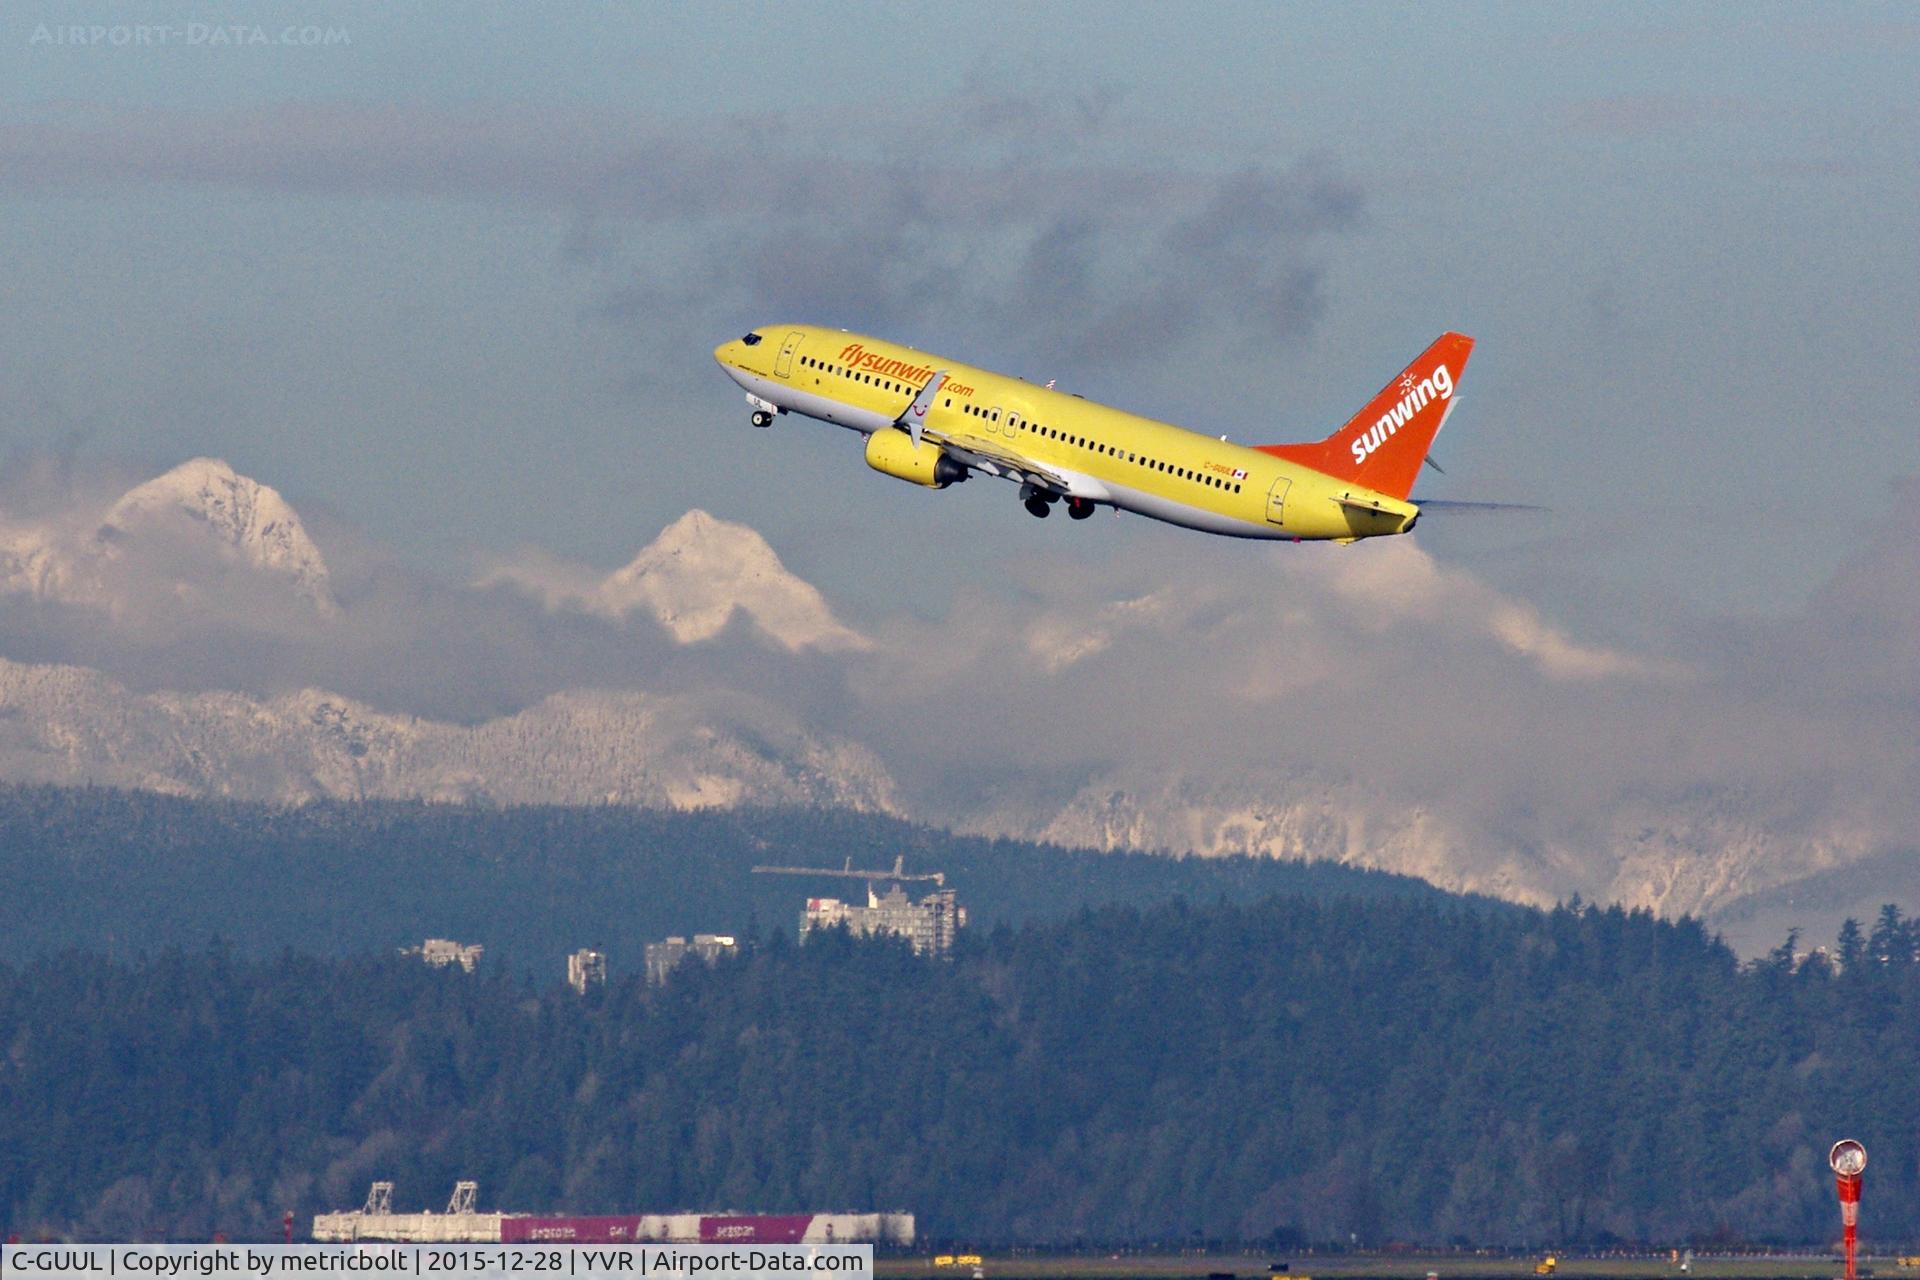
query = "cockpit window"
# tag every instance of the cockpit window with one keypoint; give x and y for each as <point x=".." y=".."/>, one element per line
<point x="751" y="339"/>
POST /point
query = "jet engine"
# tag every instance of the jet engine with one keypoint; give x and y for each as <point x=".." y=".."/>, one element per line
<point x="892" y="451"/>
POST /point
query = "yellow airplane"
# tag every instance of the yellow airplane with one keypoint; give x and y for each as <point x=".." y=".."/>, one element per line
<point x="932" y="421"/>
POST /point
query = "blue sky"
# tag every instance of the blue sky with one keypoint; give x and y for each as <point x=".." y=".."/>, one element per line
<point x="455" y="280"/>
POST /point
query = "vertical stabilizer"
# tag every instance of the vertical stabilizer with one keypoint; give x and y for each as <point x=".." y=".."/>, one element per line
<point x="1383" y="445"/>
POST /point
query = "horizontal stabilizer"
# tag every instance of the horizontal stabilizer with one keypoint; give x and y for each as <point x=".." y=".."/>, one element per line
<point x="1352" y="503"/>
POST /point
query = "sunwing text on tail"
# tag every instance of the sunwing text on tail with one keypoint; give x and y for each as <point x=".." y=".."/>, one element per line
<point x="934" y="422"/>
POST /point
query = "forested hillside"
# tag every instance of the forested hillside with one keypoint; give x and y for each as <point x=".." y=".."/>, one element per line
<point x="1286" y="1071"/>
<point x="125" y="872"/>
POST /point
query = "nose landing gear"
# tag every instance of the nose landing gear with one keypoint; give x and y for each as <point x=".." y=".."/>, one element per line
<point x="761" y="418"/>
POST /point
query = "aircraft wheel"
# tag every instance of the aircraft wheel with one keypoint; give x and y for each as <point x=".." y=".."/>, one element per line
<point x="1079" y="508"/>
<point x="1038" y="508"/>
<point x="761" y="418"/>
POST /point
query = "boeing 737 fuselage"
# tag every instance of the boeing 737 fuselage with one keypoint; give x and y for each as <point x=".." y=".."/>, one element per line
<point x="934" y="421"/>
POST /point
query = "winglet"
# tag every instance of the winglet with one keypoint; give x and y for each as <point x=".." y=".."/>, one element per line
<point x="915" y="418"/>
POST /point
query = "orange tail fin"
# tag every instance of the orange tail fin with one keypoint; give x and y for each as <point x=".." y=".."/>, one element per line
<point x="1383" y="445"/>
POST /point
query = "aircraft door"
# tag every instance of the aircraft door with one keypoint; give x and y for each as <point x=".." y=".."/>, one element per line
<point x="783" y="367"/>
<point x="1277" y="501"/>
<point x="1012" y="427"/>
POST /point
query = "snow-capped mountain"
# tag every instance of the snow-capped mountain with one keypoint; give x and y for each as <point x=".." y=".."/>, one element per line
<point x="246" y="521"/>
<point x="176" y="532"/>
<point x="1158" y="711"/>
<point x="693" y="578"/>
<point x="34" y="562"/>
<point x="1692" y="854"/>
<point x="69" y="725"/>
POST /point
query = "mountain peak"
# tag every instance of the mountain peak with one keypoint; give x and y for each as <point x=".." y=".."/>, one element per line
<point x="248" y="521"/>
<point x="701" y="569"/>
<point x="699" y="534"/>
<point x="699" y="523"/>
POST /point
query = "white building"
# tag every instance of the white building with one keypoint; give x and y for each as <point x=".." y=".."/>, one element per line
<point x="930" y="924"/>
<point x="586" y="968"/>
<point x="441" y="952"/>
<point x="664" y="957"/>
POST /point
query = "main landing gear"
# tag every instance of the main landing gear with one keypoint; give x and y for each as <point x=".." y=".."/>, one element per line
<point x="761" y="418"/>
<point x="1039" y="503"/>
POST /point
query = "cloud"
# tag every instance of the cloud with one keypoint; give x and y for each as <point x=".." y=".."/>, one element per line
<point x="1371" y="703"/>
<point x="695" y="579"/>
<point x="170" y="604"/>
<point x="1377" y="705"/>
<point x="1099" y="264"/>
<point x="962" y="210"/>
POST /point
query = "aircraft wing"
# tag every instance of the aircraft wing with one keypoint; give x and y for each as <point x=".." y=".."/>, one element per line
<point x="999" y="458"/>
<point x="982" y="453"/>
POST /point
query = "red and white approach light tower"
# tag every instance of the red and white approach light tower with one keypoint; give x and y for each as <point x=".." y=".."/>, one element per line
<point x="1848" y="1159"/>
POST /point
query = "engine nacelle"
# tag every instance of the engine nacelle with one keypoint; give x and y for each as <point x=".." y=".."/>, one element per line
<point x="892" y="452"/>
